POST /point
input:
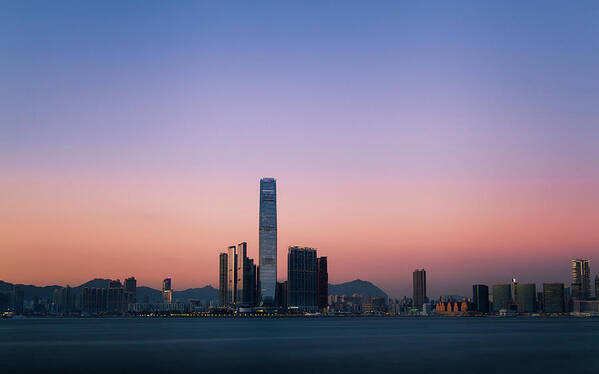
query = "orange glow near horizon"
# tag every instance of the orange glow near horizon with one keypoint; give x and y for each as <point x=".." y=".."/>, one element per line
<point x="71" y="229"/>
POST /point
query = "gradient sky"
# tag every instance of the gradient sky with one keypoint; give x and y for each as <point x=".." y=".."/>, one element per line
<point x="459" y="137"/>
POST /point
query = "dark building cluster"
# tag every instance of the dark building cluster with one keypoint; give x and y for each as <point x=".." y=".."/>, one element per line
<point x="246" y="287"/>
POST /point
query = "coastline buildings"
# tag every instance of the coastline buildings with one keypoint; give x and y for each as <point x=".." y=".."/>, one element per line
<point x="581" y="279"/>
<point x="597" y="287"/>
<point x="167" y="291"/>
<point x="267" y="232"/>
<point x="480" y="298"/>
<point x="419" y="285"/>
<point x="302" y="274"/>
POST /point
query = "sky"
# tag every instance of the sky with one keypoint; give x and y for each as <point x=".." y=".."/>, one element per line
<point x="458" y="137"/>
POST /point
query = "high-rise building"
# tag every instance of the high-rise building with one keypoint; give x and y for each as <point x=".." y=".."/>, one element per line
<point x="130" y="286"/>
<point x="502" y="296"/>
<point x="553" y="298"/>
<point x="223" y="281"/>
<point x="597" y="287"/>
<point x="93" y="300"/>
<point x="419" y="284"/>
<point x="232" y="277"/>
<point x="116" y="297"/>
<point x="302" y="273"/>
<point x="246" y="277"/>
<point x="281" y="294"/>
<point x="581" y="279"/>
<point x="526" y="297"/>
<point x="268" y="240"/>
<point x="323" y="283"/>
<point x="167" y="291"/>
<point x="480" y="298"/>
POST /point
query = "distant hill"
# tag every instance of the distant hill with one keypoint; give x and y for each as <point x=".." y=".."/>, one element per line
<point x="155" y="296"/>
<point x="95" y="283"/>
<point x="356" y="287"/>
<point x="206" y="293"/>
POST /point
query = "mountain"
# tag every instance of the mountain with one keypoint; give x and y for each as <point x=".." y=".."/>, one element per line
<point x="95" y="283"/>
<point x="356" y="287"/>
<point x="206" y="293"/>
<point x="155" y="296"/>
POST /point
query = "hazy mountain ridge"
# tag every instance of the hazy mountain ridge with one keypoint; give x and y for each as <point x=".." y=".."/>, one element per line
<point x="205" y="293"/>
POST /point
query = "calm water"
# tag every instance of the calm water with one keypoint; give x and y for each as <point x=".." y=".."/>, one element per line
<point x="333" y="345"/>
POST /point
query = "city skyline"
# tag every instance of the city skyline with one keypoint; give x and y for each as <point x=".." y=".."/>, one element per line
<point x="456" y="138"/>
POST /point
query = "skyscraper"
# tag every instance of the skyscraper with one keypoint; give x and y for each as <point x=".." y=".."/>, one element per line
<point x="302" y="276"/>
<point x="281" y="294"/>
<point x="597" y="287"/>
<point x="246" y="277"/>
<point x="130" y="287"/>
<point x="223" y="281"/>
<point x="232" y="275"/>
<point x="167" y="291"/>
<point x="553" y="298"/>
<point x="480" y="297"/>
<point x="323" y="283"/>
<point x="502" y="296"/>
<point x="581" y="279"/>
<point x="419" y="283"/>
<point x="268" y="240"/>
<point x="526" y="297"/>
<point x="115" y="297"/>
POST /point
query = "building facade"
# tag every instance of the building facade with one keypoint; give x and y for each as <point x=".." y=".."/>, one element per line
<point x="419" y="285"/>
<point x="130" y="290"/>
<point x="223" y="281"/>
<point x="232" y="275"/>
<point x="480" y="298"/>
<point x="167" y="291"/>
<point x="581" y="279"/>
<point x="323" y="283"/>
<point x="267" y="231"/>
<point x="281" y="294"/>
<point x="246" y="278"/>
<point x="302" y="273"/>
<point x="526" y="297"/>
<point x="553" y="298"/>
<point x="502" y="296"/>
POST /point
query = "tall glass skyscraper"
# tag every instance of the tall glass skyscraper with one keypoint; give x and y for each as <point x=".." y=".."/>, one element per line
<point x="268" y="240"/>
